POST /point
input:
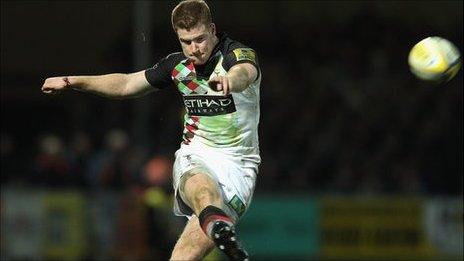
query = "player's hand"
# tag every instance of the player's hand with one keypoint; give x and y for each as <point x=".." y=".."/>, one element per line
<point x="220" y="83"/>
<point x="55" y="85"/>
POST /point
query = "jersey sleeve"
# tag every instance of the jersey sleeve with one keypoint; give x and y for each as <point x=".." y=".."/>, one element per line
<point x="241" y="55"/>
<point x="159" y="76"/>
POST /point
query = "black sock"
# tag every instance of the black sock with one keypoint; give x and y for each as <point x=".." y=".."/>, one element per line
<point x="211" y="214"/>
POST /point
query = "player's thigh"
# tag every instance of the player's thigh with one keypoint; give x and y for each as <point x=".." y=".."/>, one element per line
<point x="193" y="243"/>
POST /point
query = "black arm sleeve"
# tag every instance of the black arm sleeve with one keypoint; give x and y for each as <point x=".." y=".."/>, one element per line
<point x="241" y="55"/>
<point x="159" y="76"/>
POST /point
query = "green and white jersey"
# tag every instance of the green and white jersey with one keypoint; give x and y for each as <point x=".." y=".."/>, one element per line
<point x="213" y="120"/>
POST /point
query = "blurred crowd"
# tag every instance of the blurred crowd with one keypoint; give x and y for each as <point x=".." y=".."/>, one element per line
<point x="78" y="163"/>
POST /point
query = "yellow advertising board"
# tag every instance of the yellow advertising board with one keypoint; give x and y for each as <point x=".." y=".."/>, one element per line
<point x="65" y="229"/>
<point x="379" y="228"/>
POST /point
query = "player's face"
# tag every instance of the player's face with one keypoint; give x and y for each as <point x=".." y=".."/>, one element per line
<point x="198" y="42"/>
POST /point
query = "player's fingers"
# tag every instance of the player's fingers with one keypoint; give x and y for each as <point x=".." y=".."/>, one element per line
<point x="212" y="83"/>
<point x="56" y="83"/>
<point x="225" y="83"/>
<point x="213" y="80"/>
<point x="48" y="82"/>
<point x="48" y="87"/>
<point x="215" y="84"/>
<point x="51" y="89"/>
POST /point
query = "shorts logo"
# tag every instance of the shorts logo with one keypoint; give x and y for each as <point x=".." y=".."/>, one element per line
<point x="245" y="54"/>
<point x="237" y="205"/>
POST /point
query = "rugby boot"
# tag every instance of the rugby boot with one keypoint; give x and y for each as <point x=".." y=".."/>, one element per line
<point x="226" y="240"/>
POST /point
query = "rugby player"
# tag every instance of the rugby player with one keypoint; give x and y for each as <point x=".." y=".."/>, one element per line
<point x="216" y="165"/>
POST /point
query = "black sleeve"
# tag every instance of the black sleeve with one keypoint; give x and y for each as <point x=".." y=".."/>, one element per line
<point x="241" y="55"/>
<point x="159" y="76"/>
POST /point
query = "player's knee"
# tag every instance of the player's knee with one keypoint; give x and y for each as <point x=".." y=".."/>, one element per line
<point x="201" y="190"/>
<point x="205" y="193"/>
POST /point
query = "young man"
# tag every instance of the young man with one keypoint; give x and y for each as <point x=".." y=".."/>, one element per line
<point x="217" y="163"/>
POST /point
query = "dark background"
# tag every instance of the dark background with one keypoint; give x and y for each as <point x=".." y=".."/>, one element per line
<point x="340" y="111"/>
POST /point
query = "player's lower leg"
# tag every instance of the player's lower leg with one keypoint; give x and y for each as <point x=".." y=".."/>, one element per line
<point x="192" y="244"/>
<point x="204" y="197"/>
<point x="220" y="228"/>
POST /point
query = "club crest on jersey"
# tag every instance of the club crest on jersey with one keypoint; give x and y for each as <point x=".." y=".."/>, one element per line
<point x="247" y="54"/>
<point x="216" y="72"/>
<point x="187" y="78"/>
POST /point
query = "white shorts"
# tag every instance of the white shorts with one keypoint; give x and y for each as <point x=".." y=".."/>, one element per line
<point x="236" y="178"/>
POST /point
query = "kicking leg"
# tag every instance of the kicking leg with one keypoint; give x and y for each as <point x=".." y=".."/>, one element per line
<point x="202" y="194"/>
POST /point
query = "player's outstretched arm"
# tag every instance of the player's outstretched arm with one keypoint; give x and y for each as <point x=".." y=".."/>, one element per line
<point x="238" y="78"/>
<point x="115" y="85"/>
